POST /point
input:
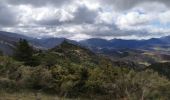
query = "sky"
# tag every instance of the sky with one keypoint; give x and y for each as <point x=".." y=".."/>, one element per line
<point x="84" y="19"/>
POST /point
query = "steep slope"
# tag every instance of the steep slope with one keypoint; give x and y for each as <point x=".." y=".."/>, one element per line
<point x="68" y="53"/>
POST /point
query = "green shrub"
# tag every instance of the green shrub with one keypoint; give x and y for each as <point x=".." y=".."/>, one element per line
<point x="7" y="85"/>
<point x="38" y="78"/>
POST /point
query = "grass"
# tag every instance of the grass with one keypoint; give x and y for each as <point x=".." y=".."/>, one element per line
<point x="30" y="96"/>
<point x="41" y="96"/>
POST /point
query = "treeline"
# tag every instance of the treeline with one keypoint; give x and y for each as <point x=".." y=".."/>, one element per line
<point x="89" y="76"/>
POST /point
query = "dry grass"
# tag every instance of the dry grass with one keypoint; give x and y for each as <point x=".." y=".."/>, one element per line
<point x="29" y="96"/>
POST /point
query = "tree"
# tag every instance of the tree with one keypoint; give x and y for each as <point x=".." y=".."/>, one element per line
<point x="1" y="53"/>
<point x="24" y="53"/>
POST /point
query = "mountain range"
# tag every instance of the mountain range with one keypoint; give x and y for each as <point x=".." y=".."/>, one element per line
<point x="8" y="41"/>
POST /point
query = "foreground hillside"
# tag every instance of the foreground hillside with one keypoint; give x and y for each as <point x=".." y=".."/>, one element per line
<point x="71" y="71"/>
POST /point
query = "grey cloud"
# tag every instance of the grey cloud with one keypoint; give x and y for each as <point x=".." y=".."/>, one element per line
<point x="85" y="15"/>
<point x="8" y="17"/>
<point x="82" y="15"/>
<point x="113" y="31"/>
<point x="118" y="4"/>
<point x="49" y="22"/>
<point x="128" y="4"/>
<point x="98" y="32"/>
<point x="38" y="3"/>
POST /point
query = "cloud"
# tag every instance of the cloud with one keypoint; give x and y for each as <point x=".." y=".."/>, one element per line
<point x="39" y="3"/>
<point x="80" y="37"/>
<point x="134" y="18"/>
<point x="83" y="19"/>
<point x="53" y="17"/>
<point x="8" y="16"/>
<point x="165" y="17"/>
<point x="128" y="4"/>
<point x="85" y="15"/>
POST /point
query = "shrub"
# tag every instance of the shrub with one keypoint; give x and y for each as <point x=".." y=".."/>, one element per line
<point x="38" y="78"/>
<point x="7" y="85"/>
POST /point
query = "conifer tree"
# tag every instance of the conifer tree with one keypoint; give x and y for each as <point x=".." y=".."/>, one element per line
<point x="24" y="53"/>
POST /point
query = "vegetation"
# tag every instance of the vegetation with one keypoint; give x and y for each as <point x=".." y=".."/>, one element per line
<point x="161" y="68"/>
<point x="30" y="96"/>
<point x="24" y="53"/>
<point x="74" y="72"/>
<point x="1" y="53"/>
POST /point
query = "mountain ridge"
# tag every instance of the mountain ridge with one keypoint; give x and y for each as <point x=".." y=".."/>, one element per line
<point x="9" y="40"/>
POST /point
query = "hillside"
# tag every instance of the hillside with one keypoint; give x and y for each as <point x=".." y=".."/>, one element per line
<point x="68" y="53"/>
<point x="72" y="71"/>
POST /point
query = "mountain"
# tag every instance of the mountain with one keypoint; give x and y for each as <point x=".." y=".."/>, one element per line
<point x="8" y="42"/>
<point x="74" y="52"/>
<point x="95" y="42"/>
<point x="49" y="43"/>
<point x="115" y="47"/>
<point x="142" y="52"/>
<point x="67" y="53"/>
<point x="120" y="43"/>
<point x="11" y="36"/>
<point x="165" y="39"/>
<point x="118" y="46"/>
<point x="46" y="43"/>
